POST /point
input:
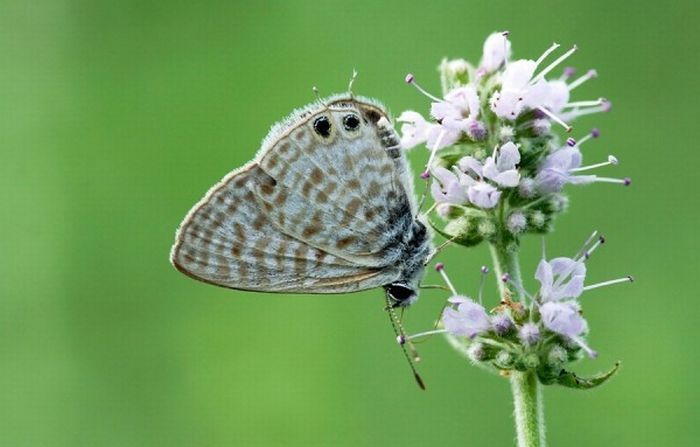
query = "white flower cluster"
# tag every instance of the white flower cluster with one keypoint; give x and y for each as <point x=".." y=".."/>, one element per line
<point x="502" y="107"/>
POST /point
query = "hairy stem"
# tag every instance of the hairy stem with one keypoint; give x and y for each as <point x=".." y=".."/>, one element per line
<point x="529" y="417"/>
<point x="505" y="261"/>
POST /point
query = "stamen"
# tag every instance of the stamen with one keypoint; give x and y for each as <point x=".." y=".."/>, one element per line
<point x="424" y="334"/>
<point x="623" y="181"/>
<point x="553" y="65"/>
<point x="505" y="48"/>
<point x="582" y="250"/>
<point x="568" y="73"/>
<point x="410" y="80"/>
<point x="544" y="249"/>
<point x="590" y="74"/>
<point x="604" y="107"/>
<point x="579" y="341"/>
<point x="587" y="254"/>
<point x="426" y="174"/>
<point x="546" y="53"/>
<point x="440" y="267"/>
<point x="596" y="102"/>
<point x="612" y="160"/>
<point x="570" y="142"/>
<point x="627" y="278"/>
<point x="595" y="133"/>
<point x="519" y="287"/>
<point x="484" y="272"/>
<point x="555" y="118"/>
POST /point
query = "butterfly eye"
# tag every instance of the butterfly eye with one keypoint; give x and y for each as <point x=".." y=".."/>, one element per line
<point x="322" y="126"/>
<point x="351" y="122"/>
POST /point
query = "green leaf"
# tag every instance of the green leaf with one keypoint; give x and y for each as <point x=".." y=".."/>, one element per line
<point x="571" y="380"/>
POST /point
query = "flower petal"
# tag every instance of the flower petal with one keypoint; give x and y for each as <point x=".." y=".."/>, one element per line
<point x="563" y="318"/>
<point x="508" y="156"/>
<point x="518" y="74"/>
<point x="470" y="165"/>
<point x="483" y="195"/>
<point x="546" y="278"/>
<point x="496" y="51"/>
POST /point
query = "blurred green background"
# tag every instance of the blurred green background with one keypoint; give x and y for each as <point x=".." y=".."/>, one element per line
<point x="117" y="116"/>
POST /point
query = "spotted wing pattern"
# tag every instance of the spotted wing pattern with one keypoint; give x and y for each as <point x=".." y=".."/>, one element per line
<point x="341" y="193"/>
<point x="321" y="210"/>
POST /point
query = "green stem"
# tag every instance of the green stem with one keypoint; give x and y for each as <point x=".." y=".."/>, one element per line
<point x="529" y="417"/>
<point x="505" y="261"/>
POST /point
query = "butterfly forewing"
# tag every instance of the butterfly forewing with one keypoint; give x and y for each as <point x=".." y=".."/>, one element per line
<point x="322" y="209"/>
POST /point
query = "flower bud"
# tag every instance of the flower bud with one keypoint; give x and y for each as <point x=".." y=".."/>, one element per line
<point x="479" y="352"/>
<point x="527" y="187"/>
<point x="504" y="360"/>
<point x="529" y="334"/>
<point x="538" y="219"/>
<point x="486" y="228"/>
<point x="559" y="203"/>
<point x="454" y="73"/>
<point x="557" y="356"/>
<point x="517" y="222"/>
<point x="502" y="324"/>
<point x="531" y="361"/>
<point x="464" y="230"/>
<point x="447" y="211"/>
<point x="506" y="134"/>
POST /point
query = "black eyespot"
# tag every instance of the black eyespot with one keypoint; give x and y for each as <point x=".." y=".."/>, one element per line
<point x="322" y="126"/>
<point x="400" y="293"/>
<point x="351" y="122"/>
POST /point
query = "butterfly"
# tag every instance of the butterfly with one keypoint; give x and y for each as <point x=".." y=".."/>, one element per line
<point x="326" y="206"/>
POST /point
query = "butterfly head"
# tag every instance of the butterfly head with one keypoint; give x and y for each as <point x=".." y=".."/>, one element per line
<point x="401" y="294"/>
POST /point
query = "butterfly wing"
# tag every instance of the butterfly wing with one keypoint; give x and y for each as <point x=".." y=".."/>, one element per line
<point x="322" y="209"/>
<point x="228" y="240"/>
<point x="341" y="190"/>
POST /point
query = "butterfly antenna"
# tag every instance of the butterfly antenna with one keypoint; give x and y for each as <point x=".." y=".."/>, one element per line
<point x="352" y="81"/>
<point x="402" y="340"/>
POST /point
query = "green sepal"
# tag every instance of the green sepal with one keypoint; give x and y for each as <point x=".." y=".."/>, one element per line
<point x="571" y="380"/>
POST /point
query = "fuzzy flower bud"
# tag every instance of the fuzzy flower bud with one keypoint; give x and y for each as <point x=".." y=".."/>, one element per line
<point x="477" y="352"/>
<point x="504" y="360"/>
<point x="517" y="222"/>
<point x="502" y="324"/>
<point x="557" y="356"/>
<point x="529" y="334"/>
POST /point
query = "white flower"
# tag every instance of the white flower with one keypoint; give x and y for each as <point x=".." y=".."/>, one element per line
<point x="457" y="115"/>
<point x="517" y="90"/>
<point x="560" y="278"/>
<point x="467" y="319"/>
<point x="414" y="130"/>
<point x="564" y="165"/>
<point x="447" y="188"/>
<point x="501" y="169"/>
<point x="563" y="318"/>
